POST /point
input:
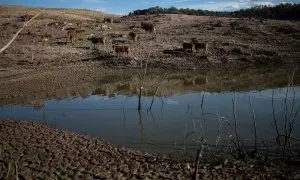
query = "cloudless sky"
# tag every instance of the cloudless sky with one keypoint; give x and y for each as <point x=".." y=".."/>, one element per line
<point x="125" y="6"/>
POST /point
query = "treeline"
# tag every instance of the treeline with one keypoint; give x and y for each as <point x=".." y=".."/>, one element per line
<point x="174" y="10"/>
<point x="281" y="11"/>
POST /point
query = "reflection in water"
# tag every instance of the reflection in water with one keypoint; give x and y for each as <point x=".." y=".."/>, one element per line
<point x="176" y="113"/>
<point x="168" y="125"/>
<point x="161" y="84"/>
<point x="38" y="104"/>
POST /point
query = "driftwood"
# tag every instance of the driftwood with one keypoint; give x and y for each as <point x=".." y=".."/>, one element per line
<point x="16" y="35"/>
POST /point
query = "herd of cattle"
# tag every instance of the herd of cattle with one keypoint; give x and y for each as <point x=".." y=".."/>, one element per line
<point x="119" y="46"/>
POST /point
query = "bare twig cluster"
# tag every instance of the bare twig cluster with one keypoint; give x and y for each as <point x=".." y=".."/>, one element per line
<point x="284" y="133"/>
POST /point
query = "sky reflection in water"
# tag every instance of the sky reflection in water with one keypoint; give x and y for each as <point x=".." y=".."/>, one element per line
<point x="170" y="120"/>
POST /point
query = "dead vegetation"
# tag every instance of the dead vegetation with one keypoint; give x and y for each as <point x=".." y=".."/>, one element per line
<point x="45" y="37"/>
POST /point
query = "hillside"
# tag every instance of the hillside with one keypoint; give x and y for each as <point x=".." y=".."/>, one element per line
<point x="231" y="41"/>
<point x="53" y="13"/>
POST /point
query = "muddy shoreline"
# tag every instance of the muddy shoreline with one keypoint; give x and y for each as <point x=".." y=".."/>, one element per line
<point x="31" y="150"/>
<point x="31" y="86"/>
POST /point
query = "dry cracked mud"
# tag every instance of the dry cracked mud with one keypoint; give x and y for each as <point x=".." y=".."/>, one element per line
<point x="31" y="150"/>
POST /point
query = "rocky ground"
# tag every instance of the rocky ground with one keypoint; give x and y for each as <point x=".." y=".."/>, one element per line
<point x="36" y="151"/>
<point x="231" y="41"/>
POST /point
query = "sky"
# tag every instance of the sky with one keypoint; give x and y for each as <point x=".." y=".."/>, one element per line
<point x="123" y="7"/>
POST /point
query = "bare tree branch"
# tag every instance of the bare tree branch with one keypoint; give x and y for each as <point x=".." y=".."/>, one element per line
<point x="16" y="35"/>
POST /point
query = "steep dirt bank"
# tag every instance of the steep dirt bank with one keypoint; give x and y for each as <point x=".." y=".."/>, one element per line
<point x="30" y="151"/>
<point x="231" y="41"/>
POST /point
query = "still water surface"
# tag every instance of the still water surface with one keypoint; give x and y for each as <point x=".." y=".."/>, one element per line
<point x="175" y="121"/>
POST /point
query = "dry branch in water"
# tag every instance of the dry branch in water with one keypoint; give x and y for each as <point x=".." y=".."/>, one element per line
<point x="16" y="35"/>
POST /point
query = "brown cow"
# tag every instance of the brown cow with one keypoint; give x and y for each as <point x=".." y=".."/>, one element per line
<point x="121" y="49"/>
<point x="109" y="20"/>
<point x="188" y="46"/>
<point x="71" y="35"/>
<point x="148" y="27"/>
<point x="201" y="46"/>
<point x="133" y="36"/>
<point x="97" y="40"/>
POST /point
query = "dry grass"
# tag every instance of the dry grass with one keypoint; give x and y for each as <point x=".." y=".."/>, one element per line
<point x="55" y="13"/>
